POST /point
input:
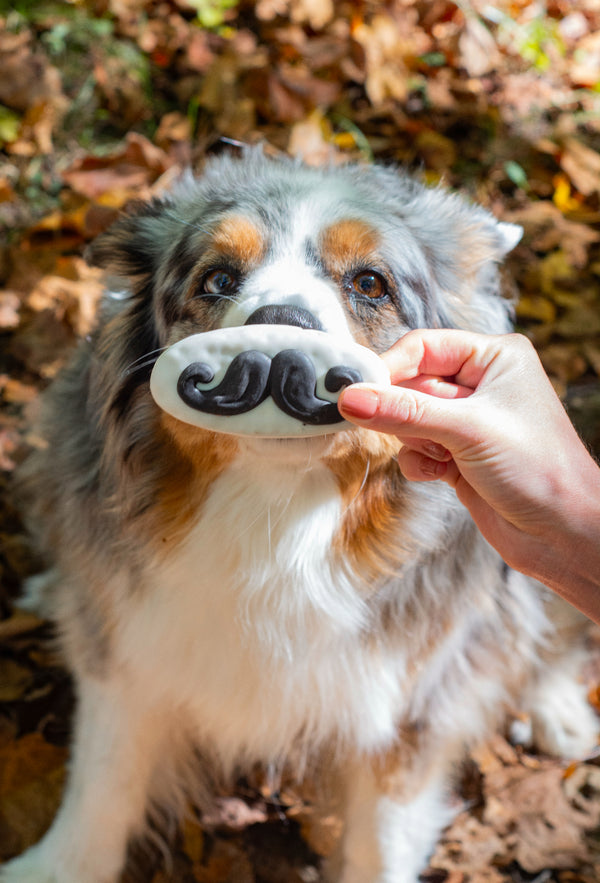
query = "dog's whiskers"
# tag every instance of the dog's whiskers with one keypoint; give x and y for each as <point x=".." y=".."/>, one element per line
<point x="359" y="491"/>
<point x="143" y="361"/>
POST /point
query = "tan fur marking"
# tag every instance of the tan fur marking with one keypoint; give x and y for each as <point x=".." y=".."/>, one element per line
<point x="194" y="459"/>
<point x="371" y="485"/>
<point x="238" y="239"/>
<point x="347" y="244"/>
<point x="350" y="246"/>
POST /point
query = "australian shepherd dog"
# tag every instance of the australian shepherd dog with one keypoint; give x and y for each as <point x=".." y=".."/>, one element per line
<point x="226" y="599"/>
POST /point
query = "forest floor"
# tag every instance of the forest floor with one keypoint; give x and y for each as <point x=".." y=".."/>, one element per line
<point x="103" y="102"/>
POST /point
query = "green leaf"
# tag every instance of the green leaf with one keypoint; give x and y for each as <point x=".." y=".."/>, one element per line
<point x="516" y="174"/>
<point x="211" y="13"/>
<point x="10" y="125"/>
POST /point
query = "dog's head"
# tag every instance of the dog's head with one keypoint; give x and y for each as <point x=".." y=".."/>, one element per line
<point x="361" y="253"/>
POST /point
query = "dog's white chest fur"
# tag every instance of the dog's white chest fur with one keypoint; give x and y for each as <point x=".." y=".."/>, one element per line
<point x="253" y="629"/>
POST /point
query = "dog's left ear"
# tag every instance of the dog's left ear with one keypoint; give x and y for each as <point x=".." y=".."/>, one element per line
<point x="510" y="234"/>
<point x="466" y="244"/>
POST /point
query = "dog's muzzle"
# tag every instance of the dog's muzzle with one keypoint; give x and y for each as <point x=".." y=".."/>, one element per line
<point x="274" y="381"/>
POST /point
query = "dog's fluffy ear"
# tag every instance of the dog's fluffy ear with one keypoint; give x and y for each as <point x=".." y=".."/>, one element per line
<point x="511" y="234"/>
<point x="136" y="244"/>
<point x="465" y="244"/>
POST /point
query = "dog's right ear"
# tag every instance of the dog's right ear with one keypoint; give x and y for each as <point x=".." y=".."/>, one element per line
<point x="134" y="245"/>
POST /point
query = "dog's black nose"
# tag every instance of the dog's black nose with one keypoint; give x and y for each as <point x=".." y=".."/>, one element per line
<point x="282" y="314"/>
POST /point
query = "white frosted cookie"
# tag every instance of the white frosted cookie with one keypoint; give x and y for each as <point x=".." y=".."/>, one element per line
<point x="270" y="381"/>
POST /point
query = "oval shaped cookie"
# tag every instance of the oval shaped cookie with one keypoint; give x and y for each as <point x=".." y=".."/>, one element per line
<point x="274" y="381"/>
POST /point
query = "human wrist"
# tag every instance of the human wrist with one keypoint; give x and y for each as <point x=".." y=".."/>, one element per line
<point x="566" y="557"/>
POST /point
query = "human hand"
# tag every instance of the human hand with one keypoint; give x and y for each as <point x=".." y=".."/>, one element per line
<point x="478" y="412"/>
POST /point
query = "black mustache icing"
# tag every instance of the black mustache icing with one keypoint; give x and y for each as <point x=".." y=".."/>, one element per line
<point x="289" y="378"/>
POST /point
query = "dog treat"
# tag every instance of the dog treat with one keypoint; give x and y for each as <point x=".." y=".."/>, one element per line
<point x="274" y="381"/>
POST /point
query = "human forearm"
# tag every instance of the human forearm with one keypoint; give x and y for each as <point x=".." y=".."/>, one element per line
<point x="567" y="557"/>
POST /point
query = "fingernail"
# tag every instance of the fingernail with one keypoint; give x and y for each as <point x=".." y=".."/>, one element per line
<point x="359" y="403"/>
<point x="432" y="467"/>
<point x="437" y="452"/>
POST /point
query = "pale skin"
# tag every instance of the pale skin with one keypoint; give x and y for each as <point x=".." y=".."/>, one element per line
<point x="478" y="412"/>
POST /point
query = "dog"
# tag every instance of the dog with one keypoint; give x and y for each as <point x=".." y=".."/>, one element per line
<point x="227" y="599"/>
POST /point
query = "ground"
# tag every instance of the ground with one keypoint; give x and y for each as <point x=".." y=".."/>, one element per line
<point x="102" y="102"/>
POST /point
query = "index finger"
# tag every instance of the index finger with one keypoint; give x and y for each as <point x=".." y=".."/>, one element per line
<point x="460" y="358"/>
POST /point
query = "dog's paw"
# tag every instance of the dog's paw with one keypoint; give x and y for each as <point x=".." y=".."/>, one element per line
<point x="562" y="721"/>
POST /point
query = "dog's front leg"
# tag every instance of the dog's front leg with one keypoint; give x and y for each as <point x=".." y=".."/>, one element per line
<point x="390" y="830"/>
<point x="118" y="735"/>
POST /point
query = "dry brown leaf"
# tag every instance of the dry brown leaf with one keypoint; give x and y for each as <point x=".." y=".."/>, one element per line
<point x="478" y="51"/>
<point x="173" y="127"/>
<point x="316" y="13"/>
<point x="227" y="864"/>
<point x="15" y="392"/>
<point x="321" y="832"/>
<point x="10" y="304"/>
<point x="14" y="680"/>
<point x="438" y="152"/>
<point x="563" y="361"/>
<point x="193" y="839"/>
<point x="585" y="69"/>
<point x="74" y="300"/>
<point x="28" y="79"/>
<point x="128" y="172"/>
<point x="9" y="445"/>
<point x="19" y="623"/>
<point x="546" y="228"/>
<point x="31" y="779"/>
<point x="386" y="73"/>
<point x="533" y="811"/>
<point x="308" y="141"/>
<point x="469" y="845"/>
<point x="535" y="307"/>
<point x="582" y="165"/>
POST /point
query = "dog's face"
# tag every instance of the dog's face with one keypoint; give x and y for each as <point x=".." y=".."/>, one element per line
<point x="360" y="253"/>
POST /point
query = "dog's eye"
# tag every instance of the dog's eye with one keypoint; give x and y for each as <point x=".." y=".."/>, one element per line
<point x="219" y="282"/>
<point x="369" y="284"/>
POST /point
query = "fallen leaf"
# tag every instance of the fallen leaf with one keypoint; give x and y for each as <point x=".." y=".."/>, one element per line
<point x="32" y="774"/>
<point x="585" y="69"/>
<point x="129" y="171"/>
<point x="469" y="845"/>
<point x="536" y="307"/>
<point x="10" y="304"/>
<point x="28" y="79"/>
<point x="15" y="392"/>
<point x="386" y="72"/>
<point x="193" y="839"/>
<point x="309" y="142"/>
<point x="20" y="622"/>
<point x="14" y="680"/>
<point x="477" y="48"/>
<point x="582" y="165"/>
<point x="563" y="361"/>
<point x="546" y="229"/>
<point x="316" y="13"/>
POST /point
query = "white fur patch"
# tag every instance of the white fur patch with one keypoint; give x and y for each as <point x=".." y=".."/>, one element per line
<point x="255" y="633"/>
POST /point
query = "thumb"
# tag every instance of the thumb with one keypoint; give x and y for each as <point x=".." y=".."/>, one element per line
<point x="406" y="413"/>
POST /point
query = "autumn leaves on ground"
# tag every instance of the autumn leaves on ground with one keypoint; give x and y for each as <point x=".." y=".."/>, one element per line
<point x="102" y="102"/>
